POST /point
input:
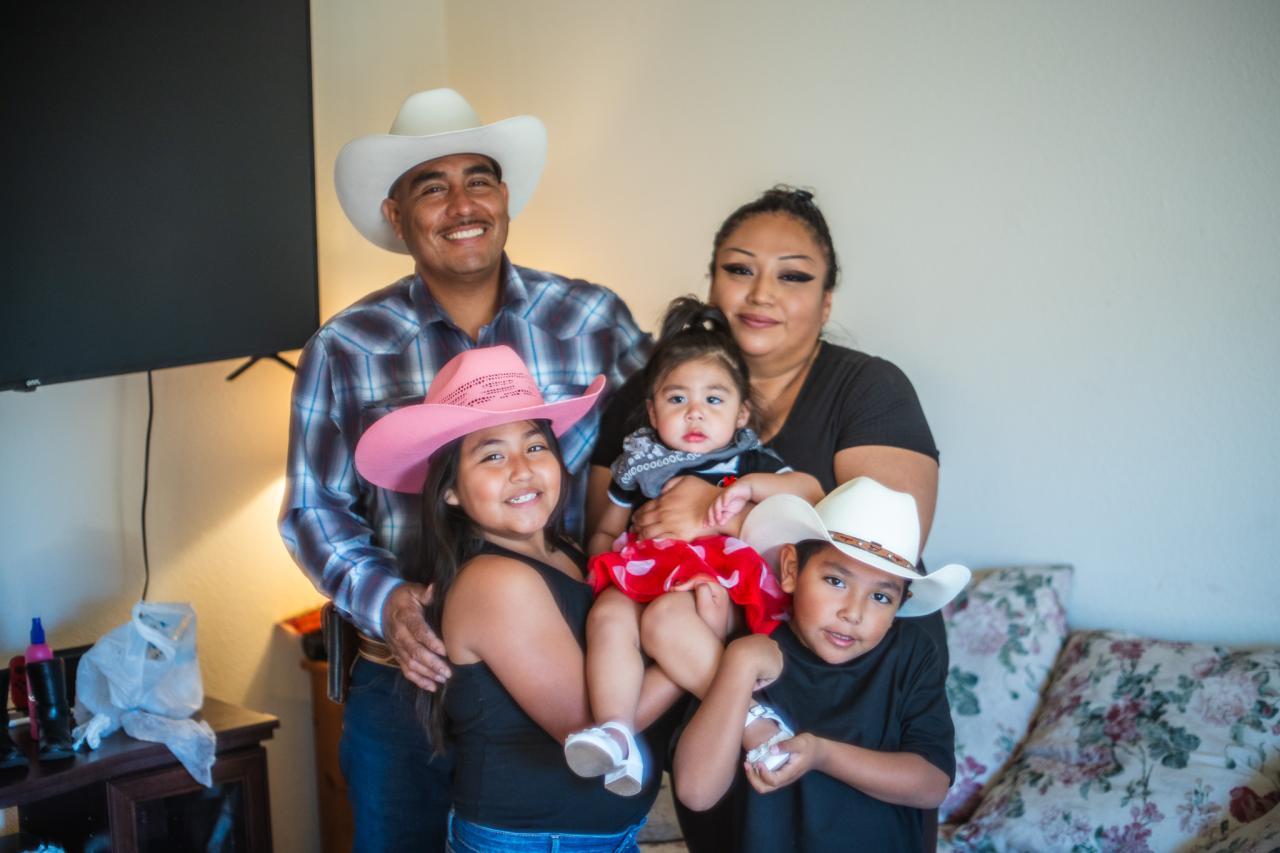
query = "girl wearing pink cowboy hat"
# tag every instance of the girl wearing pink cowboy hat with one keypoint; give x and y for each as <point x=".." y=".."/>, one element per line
<point x="510" y="602"/>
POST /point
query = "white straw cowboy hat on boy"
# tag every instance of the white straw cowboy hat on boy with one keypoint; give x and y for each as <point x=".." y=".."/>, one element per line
<point x="476" y="389"/>
<point x="867" y="521"/>
<point x="432" y="124"/>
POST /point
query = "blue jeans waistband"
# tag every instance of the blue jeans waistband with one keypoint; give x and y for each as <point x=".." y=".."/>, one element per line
<point x="468" y="837"/>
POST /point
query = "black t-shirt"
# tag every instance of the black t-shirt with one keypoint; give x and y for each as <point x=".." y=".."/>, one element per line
<point x="849" y="399"/>
<point x="510" y="773"/>
<point x="892" y="699"/>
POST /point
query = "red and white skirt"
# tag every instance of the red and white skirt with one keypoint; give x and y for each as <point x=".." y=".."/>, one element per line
<point x="645" y="569"/>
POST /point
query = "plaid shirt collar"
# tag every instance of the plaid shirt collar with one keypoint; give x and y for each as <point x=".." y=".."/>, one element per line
<point x="514" y="297"/>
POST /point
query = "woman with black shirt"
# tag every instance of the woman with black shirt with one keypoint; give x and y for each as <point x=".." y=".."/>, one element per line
<point x="830" y="411"/>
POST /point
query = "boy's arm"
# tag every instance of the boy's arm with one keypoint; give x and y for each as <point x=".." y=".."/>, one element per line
<point x="900" y="778"/>
<point x="753" y="488"/>
<point x="707" y="754"/>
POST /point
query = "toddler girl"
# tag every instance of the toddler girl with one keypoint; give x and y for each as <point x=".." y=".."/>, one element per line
<point x="698" y="407"/>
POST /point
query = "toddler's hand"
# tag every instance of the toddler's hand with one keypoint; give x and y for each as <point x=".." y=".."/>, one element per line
<point x="803" y="749"/>
<point x="711" y="602"/>
<point x="728" y="503"/>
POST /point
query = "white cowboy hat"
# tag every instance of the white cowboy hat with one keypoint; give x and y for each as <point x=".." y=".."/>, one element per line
<point x="432" y="124"/>
<point x="869" y="522"/>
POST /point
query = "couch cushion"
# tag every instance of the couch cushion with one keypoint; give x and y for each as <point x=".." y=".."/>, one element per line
<point x="1140" y="745"/>
<point x="1003" y="634"/>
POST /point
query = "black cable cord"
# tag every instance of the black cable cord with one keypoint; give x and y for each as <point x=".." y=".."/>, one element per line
<point x="146" y="478"/>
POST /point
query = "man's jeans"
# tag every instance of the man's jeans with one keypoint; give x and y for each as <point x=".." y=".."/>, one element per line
<point x="400" y="795"/>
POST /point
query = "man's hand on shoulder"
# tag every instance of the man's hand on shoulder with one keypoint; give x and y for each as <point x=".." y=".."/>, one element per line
<point x="416" y="647"/>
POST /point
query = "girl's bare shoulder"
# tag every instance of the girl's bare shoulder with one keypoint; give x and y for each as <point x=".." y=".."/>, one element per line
<point x="495" y="580"/>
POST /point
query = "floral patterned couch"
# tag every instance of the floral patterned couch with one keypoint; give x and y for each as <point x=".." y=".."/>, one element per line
<point x="1101" y="741"/>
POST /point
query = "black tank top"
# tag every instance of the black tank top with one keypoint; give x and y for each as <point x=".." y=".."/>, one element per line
<point x="511" y="774"/>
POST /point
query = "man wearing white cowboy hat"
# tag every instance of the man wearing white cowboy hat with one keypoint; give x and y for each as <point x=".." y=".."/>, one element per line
<point x="440" y="187"/>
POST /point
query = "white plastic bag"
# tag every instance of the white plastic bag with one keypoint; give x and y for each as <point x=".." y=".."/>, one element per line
<point x="145" y="676"/>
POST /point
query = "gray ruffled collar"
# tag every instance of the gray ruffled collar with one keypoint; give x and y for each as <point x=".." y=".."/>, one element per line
<point x="647" y="464"/>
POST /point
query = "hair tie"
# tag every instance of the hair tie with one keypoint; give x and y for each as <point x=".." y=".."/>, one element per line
<point x="803" y="195"/>
<point x="699" y="324"/>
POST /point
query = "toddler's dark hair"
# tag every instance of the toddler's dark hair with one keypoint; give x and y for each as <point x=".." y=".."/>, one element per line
<point x="693" y="330"/>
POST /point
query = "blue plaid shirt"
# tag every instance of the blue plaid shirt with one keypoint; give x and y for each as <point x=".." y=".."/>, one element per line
<point x="380" y="354"/>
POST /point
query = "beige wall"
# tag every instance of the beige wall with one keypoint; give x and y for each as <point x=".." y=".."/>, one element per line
<point x="1059" y="219"/>
<point x="71" y="455"/>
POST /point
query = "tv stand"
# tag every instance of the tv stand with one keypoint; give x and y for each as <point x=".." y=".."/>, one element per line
<point x="275" y="356"/>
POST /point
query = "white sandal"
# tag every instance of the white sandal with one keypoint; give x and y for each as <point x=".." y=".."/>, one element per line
<point x="594" y="752"/>
<point x="761" y="753"/>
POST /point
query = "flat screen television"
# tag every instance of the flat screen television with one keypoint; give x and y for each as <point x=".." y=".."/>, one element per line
<point x="159" y="201"/>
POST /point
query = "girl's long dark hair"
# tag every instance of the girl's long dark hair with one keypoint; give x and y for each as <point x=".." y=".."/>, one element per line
<point x="693" y="330"/>
<point x="450" y="539"/>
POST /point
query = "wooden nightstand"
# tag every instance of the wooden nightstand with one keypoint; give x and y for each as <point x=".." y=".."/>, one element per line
<point x="130" y="795"/>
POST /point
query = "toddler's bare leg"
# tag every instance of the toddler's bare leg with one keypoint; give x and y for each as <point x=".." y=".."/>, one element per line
<point x="679" y="641"/>
<point x="615" y="667"/>
<point x="676" y="636"/>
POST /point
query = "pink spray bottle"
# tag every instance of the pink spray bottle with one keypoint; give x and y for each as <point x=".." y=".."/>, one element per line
<point x="36" y="652"/>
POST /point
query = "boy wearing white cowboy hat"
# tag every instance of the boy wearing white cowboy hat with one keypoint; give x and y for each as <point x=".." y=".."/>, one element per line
<point x="440" y="187"/>
<point x="863" y="688"/>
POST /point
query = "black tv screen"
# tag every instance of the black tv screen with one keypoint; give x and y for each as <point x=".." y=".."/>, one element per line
<point x="159" y="206"/>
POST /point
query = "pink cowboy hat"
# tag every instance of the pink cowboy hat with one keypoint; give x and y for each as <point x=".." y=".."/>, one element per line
<point x="477" y="389"/>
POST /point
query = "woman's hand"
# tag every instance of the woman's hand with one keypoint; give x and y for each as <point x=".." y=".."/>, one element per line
<point x="678" y="513"/>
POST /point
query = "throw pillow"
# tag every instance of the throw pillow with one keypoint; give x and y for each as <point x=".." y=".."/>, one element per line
<point x="1003" y="634"/>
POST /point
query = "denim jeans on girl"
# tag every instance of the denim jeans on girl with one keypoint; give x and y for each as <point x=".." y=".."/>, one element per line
<point x="468" y="837"/>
